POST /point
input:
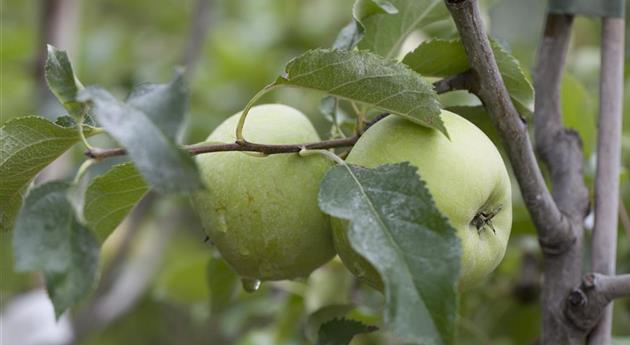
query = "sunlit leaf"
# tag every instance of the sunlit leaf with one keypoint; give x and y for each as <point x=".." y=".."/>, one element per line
<point x="444" y="58"/>
<point x="61" y="79"/>
<point x="369" y="79"/>
<point x="395" y="225"/>
<point x="110" y="197"/>
<point x="384" y="31"/>
<point x="27" y="145"/>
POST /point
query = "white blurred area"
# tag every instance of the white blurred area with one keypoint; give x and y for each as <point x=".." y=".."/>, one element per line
<point x="29" y="319"/>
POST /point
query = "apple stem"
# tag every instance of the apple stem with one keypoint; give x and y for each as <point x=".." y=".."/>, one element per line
<point x="250" y="104"/>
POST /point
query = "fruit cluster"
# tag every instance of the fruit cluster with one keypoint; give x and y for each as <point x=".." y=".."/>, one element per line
<point x="262" y="211"/>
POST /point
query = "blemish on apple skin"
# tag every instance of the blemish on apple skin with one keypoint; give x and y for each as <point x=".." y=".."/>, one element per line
<point x="250" y="198"/>
<point x="222" y="225"/>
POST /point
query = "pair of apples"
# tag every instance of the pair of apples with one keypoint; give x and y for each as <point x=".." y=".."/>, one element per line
<point x="262" y="213"/>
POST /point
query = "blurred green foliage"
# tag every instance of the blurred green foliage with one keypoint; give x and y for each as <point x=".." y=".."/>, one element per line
<point x="120" y="44"/>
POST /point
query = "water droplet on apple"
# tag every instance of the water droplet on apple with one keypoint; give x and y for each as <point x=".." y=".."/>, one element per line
<point x="250" y="284"/>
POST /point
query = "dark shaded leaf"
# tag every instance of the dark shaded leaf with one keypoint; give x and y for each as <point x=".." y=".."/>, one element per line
<point x="49" y="238"/>
<point x="395" y="225"/>
<point x="323" y="315"/>
<point x="341" y="331"/>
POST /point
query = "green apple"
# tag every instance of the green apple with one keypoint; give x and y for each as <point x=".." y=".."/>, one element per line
<point x="262" y="212"/>
<point x="466" y="176"/>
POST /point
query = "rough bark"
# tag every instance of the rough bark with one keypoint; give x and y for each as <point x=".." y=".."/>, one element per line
<point x="561" y="151"/>
<point x="557" y="215"/>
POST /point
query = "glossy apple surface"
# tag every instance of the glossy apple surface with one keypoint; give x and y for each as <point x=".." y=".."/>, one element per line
<point x="466" y="177"/>
<point x="262" y="212"/>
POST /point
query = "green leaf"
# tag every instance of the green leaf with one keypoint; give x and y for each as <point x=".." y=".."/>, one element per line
<point x="183" y="280"/>
<point x="49" y="238"/>
<point x="10" y="209"/>
<point x="27" y="145"/>
<point x="164" y="104"/>
<point x="166" y="167"/>
<point x="384" y="32"/>
<point x="61" y="79"/>
<point x="367" y="78"/>
<point x="444" y="58"/>
<point x="366" y="8"/>
<point x="395" y="225"/>
<point x="222" y="283"/>
<point x="438" y="58"/>
<point x="111" y="196"/>
<point x="341" y="331"/>
<point x="323" y="315"/>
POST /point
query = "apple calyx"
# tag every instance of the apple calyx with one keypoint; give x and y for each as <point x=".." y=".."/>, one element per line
<point x="484" y="218"/>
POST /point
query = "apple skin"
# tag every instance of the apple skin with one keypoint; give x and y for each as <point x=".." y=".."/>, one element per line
<point x="465" y="176"/>
<point x="262" y="212"/>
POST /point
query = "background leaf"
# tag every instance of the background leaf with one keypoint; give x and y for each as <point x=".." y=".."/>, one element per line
<point x="110" y="197"/>
<point x="384" y="34"/>
<point x="578" y="111"/>
<point x="49" y="238"/>
<point x="166" y="167"/>
<point x="164" y="104"/>
<point x="444" y="58"/>
<point x="61" y="79"/>
<point x="438" y="58"/>
<point x="323" y="315"/>
<point x="28" y="144"/>
<point x="367" y="78"/>
<point x="222" y="284"/>
<point x="10" y="209"/>
<point x="340" y="331"/>
<point x="394" y="225"/>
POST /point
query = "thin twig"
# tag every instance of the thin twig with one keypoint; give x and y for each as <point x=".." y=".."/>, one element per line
<point x="267" y="149"/>
<point x="463" y="81"/>
<point x="608" y="162"/>
<point x="197" y="35"/>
